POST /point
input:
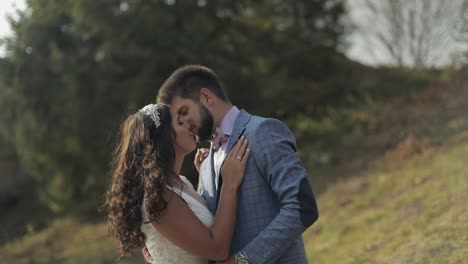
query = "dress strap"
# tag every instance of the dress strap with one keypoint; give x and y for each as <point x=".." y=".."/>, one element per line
<point x="176" y="191"/>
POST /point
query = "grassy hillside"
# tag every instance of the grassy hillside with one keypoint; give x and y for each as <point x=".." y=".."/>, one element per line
<point x="401" y="197"/>
<point x="66" y="241"/>
<point x="423" y="107"/>
<point x="403" y="211"/>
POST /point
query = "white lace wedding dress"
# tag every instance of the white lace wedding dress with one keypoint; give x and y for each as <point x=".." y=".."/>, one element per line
<point x="161" y="249"/>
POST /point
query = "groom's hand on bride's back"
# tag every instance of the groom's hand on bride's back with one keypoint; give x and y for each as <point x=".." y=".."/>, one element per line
<point x="147" y="255"/>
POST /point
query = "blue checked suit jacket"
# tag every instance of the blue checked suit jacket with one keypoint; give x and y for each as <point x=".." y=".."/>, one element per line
<point x="275" y="201"/>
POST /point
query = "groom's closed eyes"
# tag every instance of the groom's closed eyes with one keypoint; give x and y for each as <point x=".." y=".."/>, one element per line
<point x="183" y="111"/>
<point x="182" y="118"/>
<point x="182" y="115"/>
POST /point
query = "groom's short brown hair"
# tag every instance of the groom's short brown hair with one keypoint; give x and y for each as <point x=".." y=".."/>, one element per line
<point x="187" y="81"/>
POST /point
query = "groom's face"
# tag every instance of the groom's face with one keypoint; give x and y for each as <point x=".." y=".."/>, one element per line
<point x="195" y="116"/>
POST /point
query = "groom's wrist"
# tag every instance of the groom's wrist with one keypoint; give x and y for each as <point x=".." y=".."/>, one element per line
<point x="241" y="258"/>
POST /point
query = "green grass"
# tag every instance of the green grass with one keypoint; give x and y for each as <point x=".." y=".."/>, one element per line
<point x="411" y="212"/>
<point x="345" y="140"/>
<point x="66" y="241"/>
<point x="409" y="207"/>
<point x="416" y="212"/>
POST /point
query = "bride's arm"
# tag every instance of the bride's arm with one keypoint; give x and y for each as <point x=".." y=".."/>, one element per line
<point x="179" y="224"/>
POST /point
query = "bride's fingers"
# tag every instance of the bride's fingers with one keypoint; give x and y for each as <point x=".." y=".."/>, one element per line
<point x="236" y="152"/>
<point x="234" y="149"/>
<point x="245" y="158"/>
<point x="205" y="152"/>
<point x="242" y="149"/>
<point x="197" y="155"/>
<point x="202" y="152"/>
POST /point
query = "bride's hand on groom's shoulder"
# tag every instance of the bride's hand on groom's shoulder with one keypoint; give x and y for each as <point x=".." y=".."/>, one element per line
<point x="201" y="155"/>
<point x="234" y="164"/>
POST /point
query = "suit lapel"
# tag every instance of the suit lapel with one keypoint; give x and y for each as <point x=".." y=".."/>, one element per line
<point x="237" y="131"/>
<point x="212" y="169"/>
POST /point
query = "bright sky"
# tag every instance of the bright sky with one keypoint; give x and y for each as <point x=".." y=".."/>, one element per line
<point x="8" y="7"/>
<point x="366" y="49"/>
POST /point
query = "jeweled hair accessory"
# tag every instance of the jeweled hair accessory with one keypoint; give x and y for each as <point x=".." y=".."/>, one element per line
<point x="151" y="110"/>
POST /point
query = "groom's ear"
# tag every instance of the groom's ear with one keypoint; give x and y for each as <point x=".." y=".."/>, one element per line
<point x="206" y="96"/>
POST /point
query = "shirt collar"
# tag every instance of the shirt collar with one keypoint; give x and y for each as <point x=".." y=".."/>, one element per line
<point x="227" y="124"/>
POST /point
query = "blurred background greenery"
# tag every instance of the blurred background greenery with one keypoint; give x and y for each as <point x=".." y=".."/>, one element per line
<point x="375" y="92"/>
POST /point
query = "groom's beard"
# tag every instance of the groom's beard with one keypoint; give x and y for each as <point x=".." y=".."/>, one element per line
<point x="205" y="131"/>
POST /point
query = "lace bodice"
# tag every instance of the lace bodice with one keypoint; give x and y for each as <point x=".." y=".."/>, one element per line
<point x="160" y="248"/>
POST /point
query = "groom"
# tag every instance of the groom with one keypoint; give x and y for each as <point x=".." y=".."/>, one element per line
<point x="275" y="201"/>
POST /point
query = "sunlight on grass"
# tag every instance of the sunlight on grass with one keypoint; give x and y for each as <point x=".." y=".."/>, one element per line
<point x="66" y="241"/>
<point x="414" y="213"/>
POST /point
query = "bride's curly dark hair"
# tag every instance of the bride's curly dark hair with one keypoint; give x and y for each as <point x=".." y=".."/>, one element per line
<point x="143" y="161"/>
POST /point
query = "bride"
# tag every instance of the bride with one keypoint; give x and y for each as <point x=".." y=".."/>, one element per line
<point x="152" y="205"/>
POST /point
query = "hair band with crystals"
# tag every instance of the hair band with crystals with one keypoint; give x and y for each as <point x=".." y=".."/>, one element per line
<point x="151" y="110"/>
